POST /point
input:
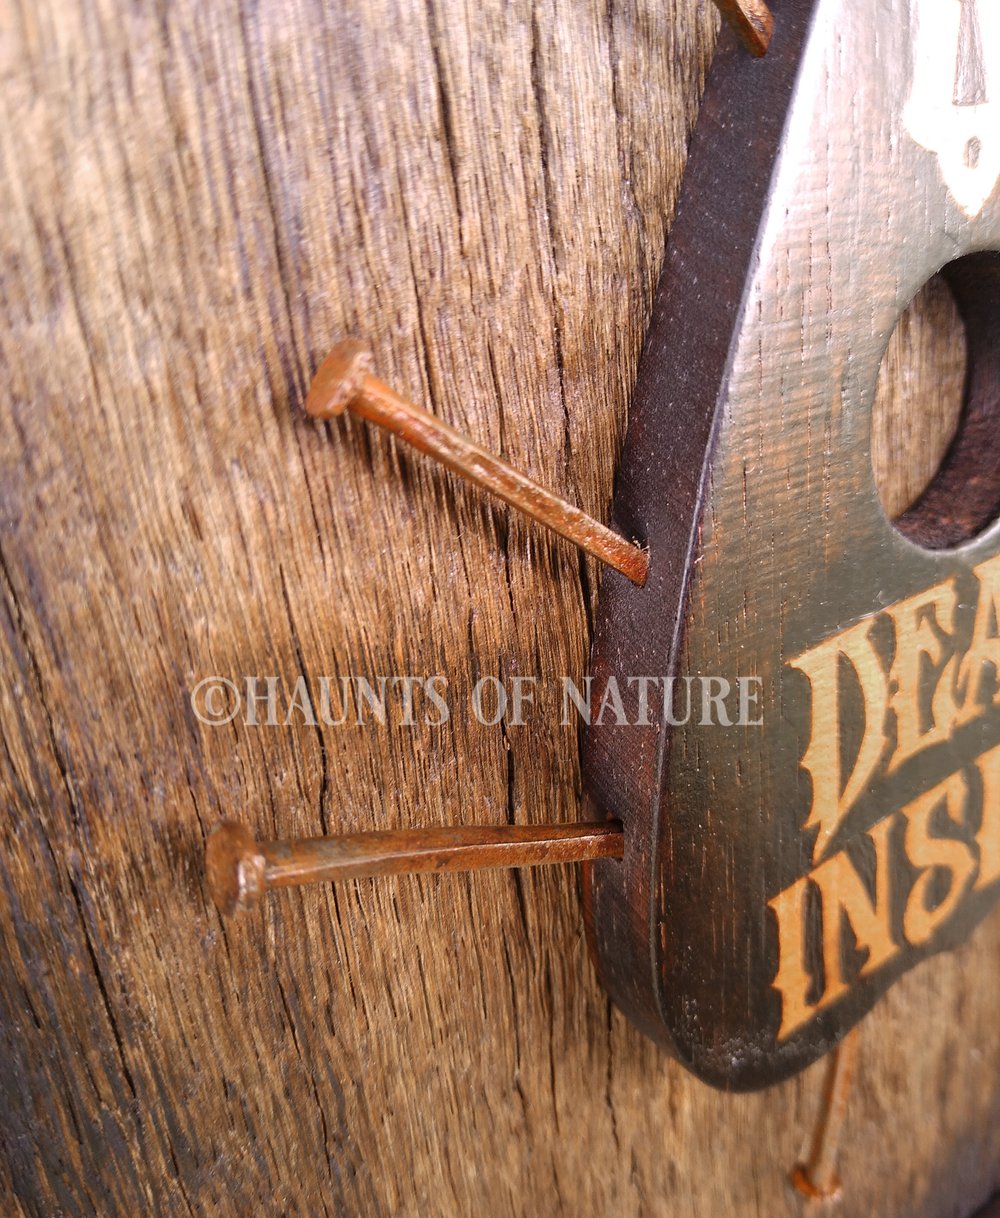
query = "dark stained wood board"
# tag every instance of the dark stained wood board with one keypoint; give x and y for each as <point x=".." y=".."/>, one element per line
<point x="790" y="855"/>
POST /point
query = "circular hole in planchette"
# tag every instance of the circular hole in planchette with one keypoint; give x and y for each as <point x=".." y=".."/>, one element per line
<point x="918" y="397"/>
<point x="934" y="443"/>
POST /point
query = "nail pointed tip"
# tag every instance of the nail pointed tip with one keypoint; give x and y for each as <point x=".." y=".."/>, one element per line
<point x="234" y="869"/>
<point x="339" y="379"/>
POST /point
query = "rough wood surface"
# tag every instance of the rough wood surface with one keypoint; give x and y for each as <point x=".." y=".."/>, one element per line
<point x="197" y="200"/>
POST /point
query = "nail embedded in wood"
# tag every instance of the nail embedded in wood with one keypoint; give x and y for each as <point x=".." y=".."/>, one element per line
<point x="817" y="1178"/>
<point x="239" y="869"/>
<point x="752" y="20"/>
<point x="234" y="867"/>
<point x="345" y="381"/>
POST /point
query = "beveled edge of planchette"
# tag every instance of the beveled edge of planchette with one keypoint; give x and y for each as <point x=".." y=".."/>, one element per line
<point x="660" y="497"/>
<point x="661" y="481"/>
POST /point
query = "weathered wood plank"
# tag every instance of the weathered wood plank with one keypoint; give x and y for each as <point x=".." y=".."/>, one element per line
<point x="196" y="201"/>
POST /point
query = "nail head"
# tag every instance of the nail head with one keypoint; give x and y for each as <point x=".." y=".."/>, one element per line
<point x="234" y="868"/>
<point x="339" y="379"/>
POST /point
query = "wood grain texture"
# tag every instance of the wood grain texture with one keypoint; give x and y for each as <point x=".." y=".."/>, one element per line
<point x="913" y="420"/>
<point x="197" y="200"/>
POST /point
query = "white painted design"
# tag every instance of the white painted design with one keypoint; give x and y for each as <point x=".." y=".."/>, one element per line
<point x="954" y="105"/>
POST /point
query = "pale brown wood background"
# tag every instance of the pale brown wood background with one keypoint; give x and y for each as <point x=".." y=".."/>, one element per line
<point x="196" y="199"/>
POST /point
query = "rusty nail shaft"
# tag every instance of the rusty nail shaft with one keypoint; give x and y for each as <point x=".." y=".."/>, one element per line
<point x="752" y="20"/>
<point x="817" y="1178"/>
<point x="345" y="382"/>
<point x="240" y="869"/>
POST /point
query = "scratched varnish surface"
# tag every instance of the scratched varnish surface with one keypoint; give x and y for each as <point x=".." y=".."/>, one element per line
<point x="196" y="200"/>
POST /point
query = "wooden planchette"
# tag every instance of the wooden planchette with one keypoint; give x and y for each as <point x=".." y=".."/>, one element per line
<point x="779" y="877"/>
